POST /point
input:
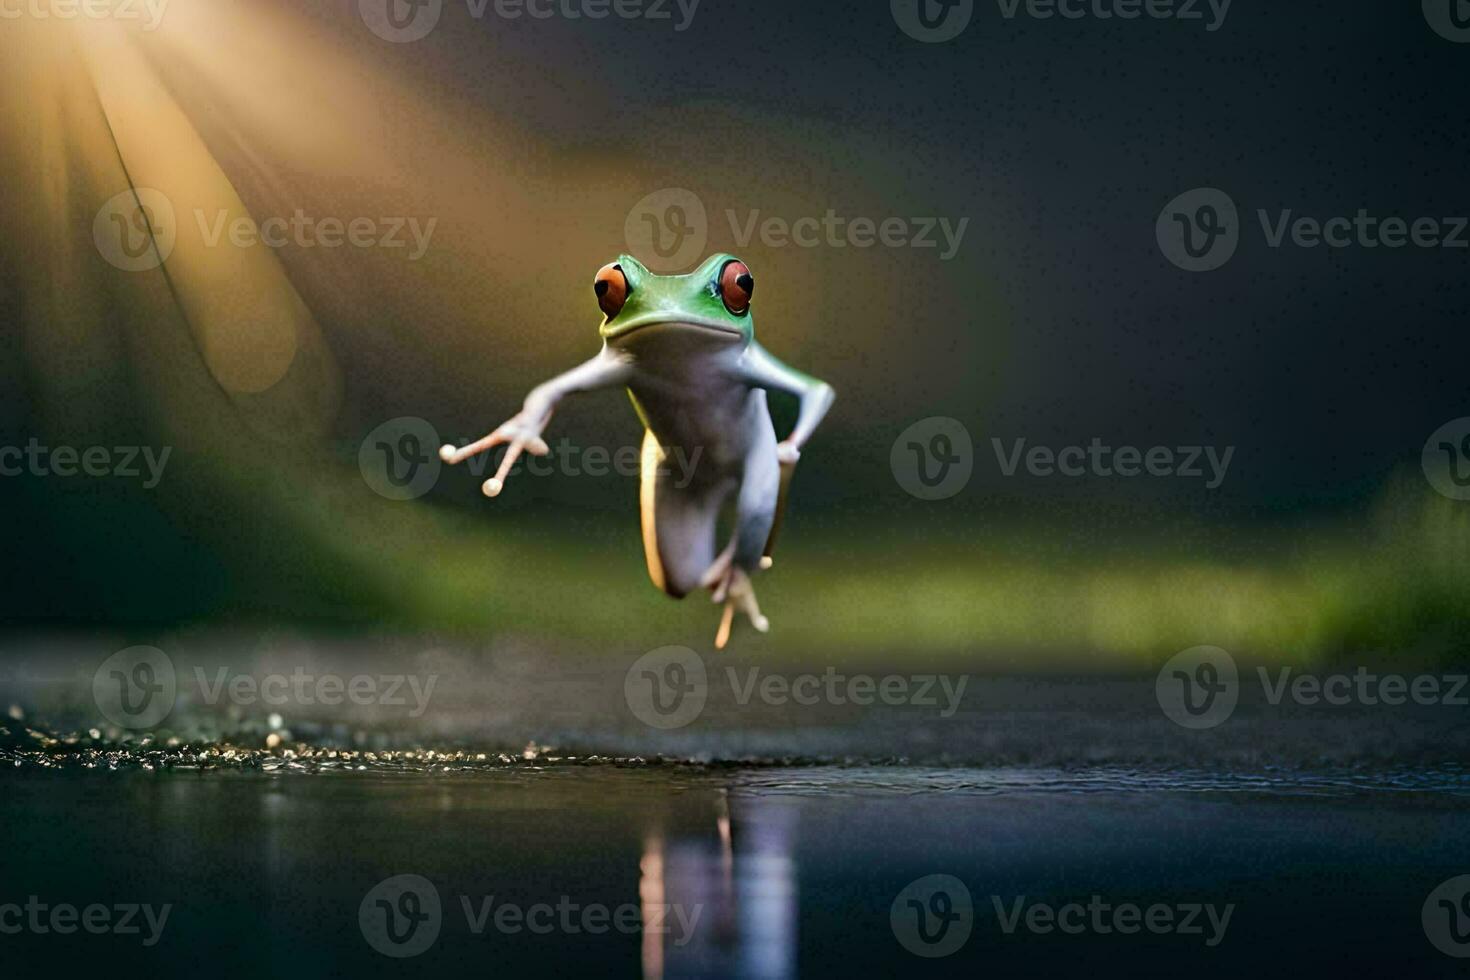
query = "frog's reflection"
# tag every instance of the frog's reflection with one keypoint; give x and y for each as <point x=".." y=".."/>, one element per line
<point x="723" y="902"/>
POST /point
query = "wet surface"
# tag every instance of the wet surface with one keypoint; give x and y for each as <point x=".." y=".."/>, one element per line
<point x="765" y="871"/>
<point x="531" y="824"/>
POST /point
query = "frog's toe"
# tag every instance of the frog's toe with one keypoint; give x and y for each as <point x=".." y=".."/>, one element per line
<point x="717" y="576"/>
<point x="738" y="594"/>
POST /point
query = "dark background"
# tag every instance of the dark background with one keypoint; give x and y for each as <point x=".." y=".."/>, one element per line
<point x="1058" y="321"/>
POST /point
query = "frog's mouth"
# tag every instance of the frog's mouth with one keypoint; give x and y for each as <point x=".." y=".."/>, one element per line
<point x="676" y="321"/>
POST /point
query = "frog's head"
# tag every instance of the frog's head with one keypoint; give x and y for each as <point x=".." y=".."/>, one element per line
<point x="714" y="299"/>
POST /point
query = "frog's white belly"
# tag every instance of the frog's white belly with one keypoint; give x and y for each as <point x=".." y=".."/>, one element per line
<point x="690" y="393"/>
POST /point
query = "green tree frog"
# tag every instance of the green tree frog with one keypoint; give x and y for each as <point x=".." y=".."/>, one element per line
<point x="684" y="347"/>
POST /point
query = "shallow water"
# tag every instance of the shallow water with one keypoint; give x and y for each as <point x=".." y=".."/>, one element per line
<point x="766" y="871"/>
<point x="547" y="832"/>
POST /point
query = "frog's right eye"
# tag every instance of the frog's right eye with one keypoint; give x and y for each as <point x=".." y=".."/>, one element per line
<point x="612" y="289"/>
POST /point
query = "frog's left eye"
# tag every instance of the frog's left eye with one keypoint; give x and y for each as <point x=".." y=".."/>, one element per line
<point x="737" y="286"/>
<point x="611" y="287"/>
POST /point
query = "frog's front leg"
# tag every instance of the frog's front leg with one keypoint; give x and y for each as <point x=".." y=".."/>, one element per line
<point x="761" y="370"/>
<point x="523" y="431"/>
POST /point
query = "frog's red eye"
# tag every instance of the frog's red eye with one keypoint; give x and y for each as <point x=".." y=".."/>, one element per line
<point x="737" y="285"/>
<point x="611" y="287"/>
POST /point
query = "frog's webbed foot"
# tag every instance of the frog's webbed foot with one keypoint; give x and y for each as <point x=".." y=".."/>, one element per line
<point x="735" y="590"/>
<point x="520" y="434"/>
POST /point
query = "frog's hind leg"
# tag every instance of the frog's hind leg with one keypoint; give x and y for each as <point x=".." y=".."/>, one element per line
<point x="755" y="514"/>
<point x="678" y="523"/>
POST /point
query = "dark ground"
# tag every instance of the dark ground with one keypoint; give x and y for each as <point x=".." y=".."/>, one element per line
<point x="790" y="829"/>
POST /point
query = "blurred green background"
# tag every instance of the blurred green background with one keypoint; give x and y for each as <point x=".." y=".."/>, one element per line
<point x="1058" y="321"/>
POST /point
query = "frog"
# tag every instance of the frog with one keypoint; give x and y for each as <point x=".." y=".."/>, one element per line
<point x="684" y="348"/>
